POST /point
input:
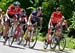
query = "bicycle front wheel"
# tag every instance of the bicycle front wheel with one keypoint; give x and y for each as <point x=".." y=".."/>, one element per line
<point x="33" y="40"/>
<point x="53" y="43"/>
<point x="62" y="44"/>
<point x="45" y="44"/>
<point x="10" y="40"/>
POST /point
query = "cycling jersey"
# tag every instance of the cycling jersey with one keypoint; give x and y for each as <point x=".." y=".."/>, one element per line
<point x="55" y="19"/>
<point x="23" y="17"/>
<point x="56" y="16"/>
<point x="12" y="11"/>
<point x="35" y="17"/>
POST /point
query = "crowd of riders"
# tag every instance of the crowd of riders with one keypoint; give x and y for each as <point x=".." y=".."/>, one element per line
<point x="17" y="19"/>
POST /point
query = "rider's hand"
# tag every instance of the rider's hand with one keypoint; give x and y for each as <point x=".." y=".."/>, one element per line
<point x="68" y="29"/>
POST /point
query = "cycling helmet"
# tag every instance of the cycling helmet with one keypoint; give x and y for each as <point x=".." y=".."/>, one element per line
<point x="34" y="12"/>
<point x="39" y="9"/>
<point x="23" y="13"/>
<point x="58" y="9"/>
<point x="17" y="3"/>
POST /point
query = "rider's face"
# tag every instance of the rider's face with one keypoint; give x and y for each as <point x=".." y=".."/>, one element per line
<point x="58" y="12"/>
<point x="16" y="6"/>
<point x="38" y="13"/>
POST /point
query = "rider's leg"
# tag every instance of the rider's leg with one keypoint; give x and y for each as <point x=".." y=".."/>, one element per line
<point x="27" y="32"/>
<point x="33" y="31"/>
<point x="48" y="36"/>
<point x="25" y="35"/>
<point x="58" y="32"/>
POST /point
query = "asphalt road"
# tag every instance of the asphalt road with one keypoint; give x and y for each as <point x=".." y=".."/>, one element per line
<point x="37" y="49"/>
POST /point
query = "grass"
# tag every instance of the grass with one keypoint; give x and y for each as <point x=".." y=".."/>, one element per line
<point x="70" y="43"/>
<point x="40" y="37"/>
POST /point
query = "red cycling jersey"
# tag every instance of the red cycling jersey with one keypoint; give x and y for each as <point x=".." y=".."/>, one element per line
<point x="12" y="10"/>
<point x="56" y="16"/>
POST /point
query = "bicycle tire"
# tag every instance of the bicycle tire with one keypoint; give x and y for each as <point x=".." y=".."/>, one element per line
<point x="25" y="43"/>
<point x="6" y="38"/>
<point x="64" y="44"/>
<point x="45" y="44"/>
<point x="20" y="41"/>
<point x="9" y="41"/>
<point x="12" y="41"/>
<point x="53" y="41"/>
<point x="35" y="40"/>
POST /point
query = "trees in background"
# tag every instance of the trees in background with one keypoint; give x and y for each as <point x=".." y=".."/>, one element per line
<point x="67" y="8"/>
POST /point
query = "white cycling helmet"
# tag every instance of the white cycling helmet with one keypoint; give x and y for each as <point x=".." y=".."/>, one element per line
<point x="16" y="3"/>
<point x="39" y="9"/>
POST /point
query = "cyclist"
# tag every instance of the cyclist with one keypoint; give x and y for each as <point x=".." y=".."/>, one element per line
<point x="33" y="18"/>
<point x="35" y="15"/>
<point x="6" y="28"/>
<point x="14" y="9"/>
<point x="23" y="16"/>
<point x="56" y="20"/>
<point x="23" y="19"/>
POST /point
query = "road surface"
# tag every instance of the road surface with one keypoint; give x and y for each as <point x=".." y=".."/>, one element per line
<point x="37" y="49"/>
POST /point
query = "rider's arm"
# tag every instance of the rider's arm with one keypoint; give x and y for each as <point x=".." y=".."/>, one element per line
<point x="66" y="25"/>
<point x="51" y="19"/>
<point x="29" y="19"/>
<point x="50" y="23"/>
<point x="26" y="19"/>
<point x="9" y="8"/>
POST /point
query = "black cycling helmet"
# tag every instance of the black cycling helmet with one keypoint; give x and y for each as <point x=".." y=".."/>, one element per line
<point x="39" y="9"/>
<point x="17" y="3"/>
<point x="23" y="13"/>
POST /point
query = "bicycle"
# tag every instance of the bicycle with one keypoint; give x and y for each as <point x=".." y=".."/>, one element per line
<point x="11" y="34"/>
<point x="14" y="35"/>
<point x="28" y="37"/>
<point x="60" y="41"/>
<point x="33" y="40"/>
